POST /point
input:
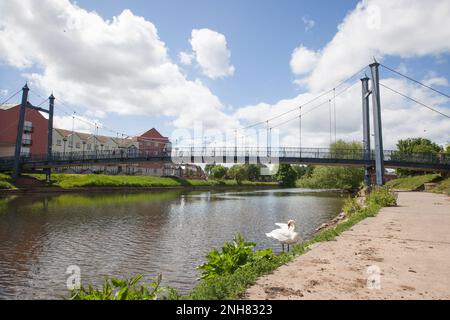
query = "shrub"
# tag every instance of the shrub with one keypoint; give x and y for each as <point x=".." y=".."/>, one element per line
<point x="351" y="206"/>
<point x="382" y="196"/>
<point x="232" y="256"/>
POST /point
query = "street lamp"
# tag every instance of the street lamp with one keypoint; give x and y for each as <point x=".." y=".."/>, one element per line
<point x="64" y="148"/>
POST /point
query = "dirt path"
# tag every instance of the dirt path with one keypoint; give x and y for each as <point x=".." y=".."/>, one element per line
<point x="408" y="244"/>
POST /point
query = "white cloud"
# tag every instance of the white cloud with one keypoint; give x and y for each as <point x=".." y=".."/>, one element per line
<point x="80" y="124"/>
<point x="376" y="28"/>
<point x="309" y="23"/>
<point x="119" y="66"/>
<point x="211" y="53"/>
<point x="303" y="60"/>
<point x="186" y="58"/>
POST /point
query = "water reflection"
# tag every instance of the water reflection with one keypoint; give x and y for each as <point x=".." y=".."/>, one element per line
<point x="149" y="233"/>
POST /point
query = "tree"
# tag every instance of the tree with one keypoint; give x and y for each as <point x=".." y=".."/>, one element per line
<point x="334" y="177"/>
<point x="208" y="168"/>
<point x="238" y="173"/>
<point x="286" y="176"/>
<point x="218" y="172"/>
<point x="253" y="172"/>
<point x="417" y="147"/>
<point x="302" y="170"/>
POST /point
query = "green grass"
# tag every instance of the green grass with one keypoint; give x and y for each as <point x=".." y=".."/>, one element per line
<point x="4" y="182"/>
<point x="69" y="181"/>
<point x="412" y="183"/>
<point x="232" y="286"/>
<point x="443" y="187"/>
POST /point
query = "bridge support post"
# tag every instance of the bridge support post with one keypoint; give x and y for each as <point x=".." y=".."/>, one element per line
<point x="51" y="107"/>
<point x="366" y="127"/>
<point x="379" y="156"/>
<point x="18" y="150"/>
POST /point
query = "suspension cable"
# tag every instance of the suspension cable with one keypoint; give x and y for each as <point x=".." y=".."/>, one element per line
<point x="414" y="100"/>
<point x="416" y="81"/>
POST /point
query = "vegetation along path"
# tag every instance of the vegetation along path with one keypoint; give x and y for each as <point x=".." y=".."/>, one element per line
<point x="409" y="245"/>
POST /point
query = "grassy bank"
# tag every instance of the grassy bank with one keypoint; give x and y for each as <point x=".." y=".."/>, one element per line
<point x="412" y="183"/>
<point x="235" y="268"/>
<point x="4" y="182"/>
<point x="443" y="187"/>
<point x="70" y="181"/>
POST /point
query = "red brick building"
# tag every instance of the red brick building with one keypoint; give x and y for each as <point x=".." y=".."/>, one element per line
<point x="34" y="140"/>
<point x="153" y="142"/>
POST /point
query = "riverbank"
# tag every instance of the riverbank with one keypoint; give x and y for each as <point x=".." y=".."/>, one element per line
<point x="70" y="183"/>
<point x="410" y="244"/>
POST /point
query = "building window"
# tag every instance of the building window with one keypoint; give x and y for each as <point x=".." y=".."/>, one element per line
<point x="78" y="145"/>
<point x="89" y="146"/>
<point x="58" y="142"/>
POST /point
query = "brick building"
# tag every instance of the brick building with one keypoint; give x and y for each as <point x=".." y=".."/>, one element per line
<point x="34" y="140"/>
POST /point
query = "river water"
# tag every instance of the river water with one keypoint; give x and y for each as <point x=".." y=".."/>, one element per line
<point x="126" y="234"/>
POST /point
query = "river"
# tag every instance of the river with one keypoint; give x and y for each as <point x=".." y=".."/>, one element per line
<point x="126" y="234"/>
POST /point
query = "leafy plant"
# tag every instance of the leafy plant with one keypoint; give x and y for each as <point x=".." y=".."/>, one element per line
<point x="232" y="256"/>
<point x="286" y="176"/>
<point x="117" y="289"/>
<point x="382" y="196"/>
<point x="351" y="206"/>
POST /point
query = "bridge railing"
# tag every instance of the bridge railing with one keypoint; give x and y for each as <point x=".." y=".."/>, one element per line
<point x="282" y="152"/>
<point x="231" y="152"/>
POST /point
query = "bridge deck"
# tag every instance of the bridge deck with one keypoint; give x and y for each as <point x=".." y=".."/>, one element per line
<point x="313" y="156"/>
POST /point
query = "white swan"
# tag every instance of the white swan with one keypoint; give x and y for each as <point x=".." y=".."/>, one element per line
<point x="285" y="233"/>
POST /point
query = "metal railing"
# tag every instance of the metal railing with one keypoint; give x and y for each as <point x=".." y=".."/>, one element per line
<point x="208" y="154"/>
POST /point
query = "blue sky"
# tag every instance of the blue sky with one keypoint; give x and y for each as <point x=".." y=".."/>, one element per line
<point x="261" y="37"/>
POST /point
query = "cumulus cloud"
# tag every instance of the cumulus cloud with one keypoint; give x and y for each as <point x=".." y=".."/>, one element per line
<point x="119" y="66"/>
<point x="303" y="60"/>
<point x="211" y="53"/>
<point x="376" y="28"/>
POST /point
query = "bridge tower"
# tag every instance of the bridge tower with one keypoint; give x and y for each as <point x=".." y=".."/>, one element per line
<point x="18" y="150"/>
<point x="366" y="127"/>
<point x="379" y="155"/>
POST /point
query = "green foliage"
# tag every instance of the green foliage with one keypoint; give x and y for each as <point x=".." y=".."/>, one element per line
<point x="237" y="172"/>
<point x="253" y="172"/>
<point x="129" y="289"/>
<point x="443" y="187"/>
<point x="345" y="178"/>
<point x="351" y="206"/>
<point x="69" y="181"/>
<point x="303" y="171"/>
<point x="233" y="255"/>
<point x="408" y="147"/>
<point x="382" y="196"/>
<point x="286" y="176"/>
<point x="218" y="172"/>
<point x="4" y="182"/>
<point x="334" y="177"/>
<point x="342" y="149"/>
<point x="412" y="183"/>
